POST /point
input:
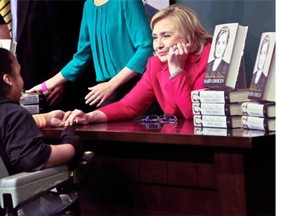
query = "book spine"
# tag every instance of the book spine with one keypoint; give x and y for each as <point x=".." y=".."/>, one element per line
<point x="33" y="108"/>
<point x="254" y="109"/>
<point x="210" y="97"/>
<point x="211" y="131"/>
<point x="217" y="109"/>
<point x="27" y="99"/>
<point x="213" y="121"/>
<point x="256" y="123"/>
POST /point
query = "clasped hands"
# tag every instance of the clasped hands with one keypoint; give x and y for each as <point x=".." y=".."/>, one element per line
<point x="59" y="118"/>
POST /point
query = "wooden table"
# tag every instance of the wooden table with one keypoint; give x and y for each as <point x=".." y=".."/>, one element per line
<point x="177" y="170"/>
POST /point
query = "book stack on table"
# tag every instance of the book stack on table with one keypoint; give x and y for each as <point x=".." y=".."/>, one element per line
<point x="218" y="108"/>
<point x="34" y="103"/>
<point x="260" y="112"/>
<point x="259" y="115"/>
<point x="218" y="104"/>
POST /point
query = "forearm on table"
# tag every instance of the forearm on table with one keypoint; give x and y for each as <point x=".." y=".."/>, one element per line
<point x="96" y="116"/>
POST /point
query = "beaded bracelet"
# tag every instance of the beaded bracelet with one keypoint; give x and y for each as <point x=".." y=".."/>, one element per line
<point x="45" y="90"/>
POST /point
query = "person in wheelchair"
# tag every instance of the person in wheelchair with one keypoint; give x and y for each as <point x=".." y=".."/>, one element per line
<point x="22" y="144"/>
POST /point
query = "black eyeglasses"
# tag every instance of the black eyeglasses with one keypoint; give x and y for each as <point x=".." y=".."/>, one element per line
<point x="152" y="121"/>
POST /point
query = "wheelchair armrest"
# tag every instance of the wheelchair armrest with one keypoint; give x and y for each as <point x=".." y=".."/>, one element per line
<point x="26" y="185"/>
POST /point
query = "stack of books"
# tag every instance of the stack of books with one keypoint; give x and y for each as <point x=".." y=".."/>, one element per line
<point x="259" y="115"/>
<point x="34" y="103"/>
<point x="218" y="108"/>
<point x="260" y="112"/>
<point x="218" y="105"/>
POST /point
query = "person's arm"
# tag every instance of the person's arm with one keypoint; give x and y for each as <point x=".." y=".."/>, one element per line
<point x="191" y="78"/>
<point x="127" y="108"/>
<point x="60" y="154"/>
<point x="73" y="69"/>
<point x="141" y="38"/>
<point x="50" y="119"/>
<point x="48" y="85"/>
<point x="25" y="146"/>
<point x="99" y="93"/>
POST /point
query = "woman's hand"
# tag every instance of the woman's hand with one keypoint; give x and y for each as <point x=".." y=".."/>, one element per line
<point x="98" y="94"/>
<point x="177" y="57"/>
<point x="35" y="89"/>
<point x="54" y="96"/>
<point x="76" y="117"/>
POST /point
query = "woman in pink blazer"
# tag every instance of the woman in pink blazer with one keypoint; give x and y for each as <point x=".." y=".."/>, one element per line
<point x="181" y="49"/>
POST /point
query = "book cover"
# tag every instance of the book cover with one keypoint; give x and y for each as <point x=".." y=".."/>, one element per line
<point x="259" y="109"/>
<point x="258" y="123"/>
<point x="219" y="96"/>
<point x="227" y="109"/>
<point x="217" y="121"/>
<point x="262" y="86"/>
<point x="226" y="57"/>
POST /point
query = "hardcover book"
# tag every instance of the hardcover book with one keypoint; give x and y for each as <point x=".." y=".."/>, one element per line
<point x="219" y="96"/>
<point x="227" y="109"/>
<point x="217" y="121"/>
<point x="225" y="58"/>
<point x="34" y="108"/>
<point x="259" y="109"/>
<point x="34" y="98"/>
<point x="258" y="123"/>
<point x="212" y="131"/>
<point x="262" y="86"/>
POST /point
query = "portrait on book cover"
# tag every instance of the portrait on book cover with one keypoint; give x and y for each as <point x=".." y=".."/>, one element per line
<point x="152" y="6"/>
<point x="221" y="51"/>
<point x="262" y="64"/>
<point x="220" y="54"/>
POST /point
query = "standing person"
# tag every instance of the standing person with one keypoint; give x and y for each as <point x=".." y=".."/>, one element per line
<point x="181" y="47"/>
<point x="259" y="76"/>
<point x="116" y="35"/>
<point x="22" y="145"/>
<point x="218" y="67"/>
<point x="38" y="29"/>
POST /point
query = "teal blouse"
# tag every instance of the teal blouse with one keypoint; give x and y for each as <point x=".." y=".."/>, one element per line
<point x="116" y="34"/>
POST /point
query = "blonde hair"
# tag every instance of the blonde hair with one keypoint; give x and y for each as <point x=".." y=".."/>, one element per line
<point x="187" y="23"/>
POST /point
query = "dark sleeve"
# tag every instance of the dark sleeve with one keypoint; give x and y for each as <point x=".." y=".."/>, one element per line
<point x="24" y="142"/>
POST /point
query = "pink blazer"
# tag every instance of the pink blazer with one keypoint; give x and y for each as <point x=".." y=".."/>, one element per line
<point x="174" y="96"/>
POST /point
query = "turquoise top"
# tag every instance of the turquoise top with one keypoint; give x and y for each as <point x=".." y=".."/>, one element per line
<point x="116" y="34"/>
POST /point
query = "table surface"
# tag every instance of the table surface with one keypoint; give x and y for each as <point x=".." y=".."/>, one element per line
<point x="211" y="170"/>
<point x="183" y="133"/>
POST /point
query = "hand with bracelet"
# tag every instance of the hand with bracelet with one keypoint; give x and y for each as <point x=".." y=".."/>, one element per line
<point x="53" y="91"/>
